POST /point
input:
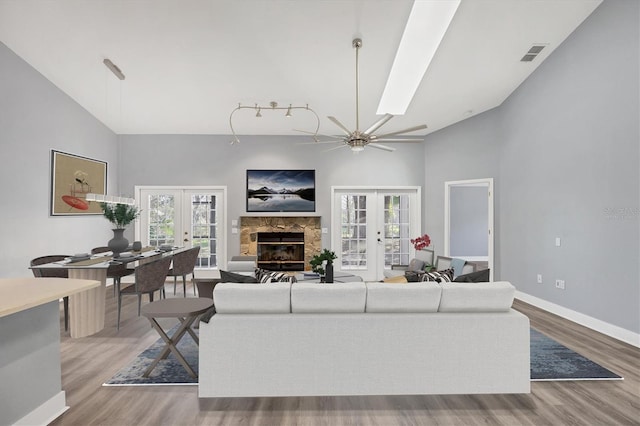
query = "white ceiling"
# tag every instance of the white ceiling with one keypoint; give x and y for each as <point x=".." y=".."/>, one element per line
<point x="189" y="63"/>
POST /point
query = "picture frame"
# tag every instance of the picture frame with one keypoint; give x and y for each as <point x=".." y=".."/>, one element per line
<point x="281" y="191"/>
<point x="72" y="178"/>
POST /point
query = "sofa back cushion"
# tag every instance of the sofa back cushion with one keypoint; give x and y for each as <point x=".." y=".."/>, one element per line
<point x="235" y="298"/>
<point x="409" y="298"/>
<point x="328" y="298"/>
<point x="476" y="297"/>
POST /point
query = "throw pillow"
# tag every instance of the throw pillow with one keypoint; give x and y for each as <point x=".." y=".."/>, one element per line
<point x="399" y="280"/>
<point x="446" y="275"/>
<point x="474" y="277"/>
<point x="415" y="265"/>
<point x="413" y="277"/>
<point x="265" y="276"/>
<point x="232" y="277"/>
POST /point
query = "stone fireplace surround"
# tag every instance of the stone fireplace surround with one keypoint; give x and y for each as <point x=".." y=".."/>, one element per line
<point x="309" y="225"/>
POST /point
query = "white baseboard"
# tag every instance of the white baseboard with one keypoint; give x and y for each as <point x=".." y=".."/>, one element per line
<point x="600" y="326"/>
<point x="47" y="412"/>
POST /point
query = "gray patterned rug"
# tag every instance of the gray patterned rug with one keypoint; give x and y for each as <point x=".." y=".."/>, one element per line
<point x="550" y="361"/>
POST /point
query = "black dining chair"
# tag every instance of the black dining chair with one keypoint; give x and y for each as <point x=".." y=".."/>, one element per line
<point x="149" y="278"/>
<point x="115" y="271"/>
<point x="53" y="273"/>
<point x="183" y="264"/>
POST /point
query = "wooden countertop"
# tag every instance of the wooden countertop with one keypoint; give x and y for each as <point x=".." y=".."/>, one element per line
<point x="19" y="294"/>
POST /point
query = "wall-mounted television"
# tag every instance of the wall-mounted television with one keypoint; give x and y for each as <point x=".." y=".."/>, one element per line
<point x="281" y="190"/>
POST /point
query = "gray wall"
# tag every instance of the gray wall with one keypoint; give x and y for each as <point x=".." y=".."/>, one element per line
<point x="468" y="218"/>
<point x="36" y="117"/>
<point x="211" y="160"/>
<point x="467" y="150"/>
<point x="566" y="146"/>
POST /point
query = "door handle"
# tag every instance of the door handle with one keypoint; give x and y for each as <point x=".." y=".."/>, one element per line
<point x="185" y="240"/>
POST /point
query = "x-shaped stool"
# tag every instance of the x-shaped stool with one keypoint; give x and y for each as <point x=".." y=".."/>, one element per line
<point x="186" y="311"/>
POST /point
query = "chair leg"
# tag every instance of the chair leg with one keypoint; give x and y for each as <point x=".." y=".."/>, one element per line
<point x="119" y="306"/>
<point x="139" y="302"/>
<point x="184" y="286"/>
<point x="193" y="281"/>
<point x="65" y="302"/>
<point x="175" y="282"/>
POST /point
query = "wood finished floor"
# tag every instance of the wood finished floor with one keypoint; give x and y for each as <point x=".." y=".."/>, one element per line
<point x="90" y="361"/>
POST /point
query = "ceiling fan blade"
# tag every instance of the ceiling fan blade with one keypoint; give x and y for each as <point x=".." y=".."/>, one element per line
<point x="374" y="139"/>
<point x="375" y="126"/>
<point x="318" y="134"/>
<point x="317" y="142"/>
<point x="336" y="147"/>
<point x="339" y="124"/>
<point x="410" y="129"/>
<point x="382" y="147"/>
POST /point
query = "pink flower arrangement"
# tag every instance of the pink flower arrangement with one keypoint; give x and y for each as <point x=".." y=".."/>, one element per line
<point x="421" y="242"/>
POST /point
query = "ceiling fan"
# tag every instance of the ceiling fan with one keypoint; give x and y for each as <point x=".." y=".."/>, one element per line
<point x="358" y="139"/>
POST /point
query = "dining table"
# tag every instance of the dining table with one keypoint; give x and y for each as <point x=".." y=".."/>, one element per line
<point x="87" y="309"/>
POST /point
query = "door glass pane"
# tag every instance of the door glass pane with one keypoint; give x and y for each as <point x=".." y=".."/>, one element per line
<point x="396" y="230"/>
<point x="354" y="232"/>
<point x="203" y="229"/>
<point x="161" y="210"/>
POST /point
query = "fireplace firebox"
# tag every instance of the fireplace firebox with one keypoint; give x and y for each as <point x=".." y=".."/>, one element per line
<point x="281" y="251"/>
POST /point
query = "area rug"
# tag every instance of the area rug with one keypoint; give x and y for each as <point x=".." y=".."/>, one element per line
<point x="168" y="371"/>
<point x="550" y="361"/>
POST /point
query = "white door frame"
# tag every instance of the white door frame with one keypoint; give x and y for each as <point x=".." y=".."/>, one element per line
<point x="488" y="182"/>
<point x="222" y="227"/>
<point x="416" y="217"/>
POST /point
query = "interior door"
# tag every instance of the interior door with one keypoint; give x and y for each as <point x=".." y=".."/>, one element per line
<point x="372" y="228"/>
<point x="469" y="220"/>
<point x="185" y="217"/>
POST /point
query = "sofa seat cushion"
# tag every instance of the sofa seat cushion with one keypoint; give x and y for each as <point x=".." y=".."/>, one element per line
<point x="409" y="298"/>
<point x="236" y="298"/>
<point x="477" y="297"/>
<point x="328" y="298"/>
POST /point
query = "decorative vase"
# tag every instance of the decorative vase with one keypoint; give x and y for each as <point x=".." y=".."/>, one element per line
<point x="136" y="246"/>
<point x="118" y="243"/>
<point x="329" y="273"/>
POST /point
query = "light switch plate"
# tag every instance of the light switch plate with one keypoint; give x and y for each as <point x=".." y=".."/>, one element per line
<point x="557" y="241"/>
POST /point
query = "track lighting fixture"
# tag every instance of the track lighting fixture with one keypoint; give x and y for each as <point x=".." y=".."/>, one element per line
<point x="273" y="106"/>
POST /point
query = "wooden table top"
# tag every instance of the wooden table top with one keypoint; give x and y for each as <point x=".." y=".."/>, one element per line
<point x="19" y="294"/>
<point x="177" y="307"/>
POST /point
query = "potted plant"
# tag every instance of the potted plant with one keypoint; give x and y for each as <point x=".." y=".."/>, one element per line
<point x="319" y="260"/>
<point x="120" y="215"/>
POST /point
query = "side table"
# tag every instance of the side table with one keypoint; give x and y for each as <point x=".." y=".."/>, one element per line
<point x="186" y="310"/>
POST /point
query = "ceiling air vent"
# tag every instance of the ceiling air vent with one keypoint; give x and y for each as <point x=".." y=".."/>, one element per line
<point x="532" y="52"/>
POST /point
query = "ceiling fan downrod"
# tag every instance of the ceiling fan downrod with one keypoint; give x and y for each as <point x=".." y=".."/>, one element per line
<point x="357" y="44"/>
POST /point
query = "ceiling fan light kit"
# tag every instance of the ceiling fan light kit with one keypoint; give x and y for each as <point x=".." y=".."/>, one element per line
<point x="273" y="106"/>
<point x="357" y="139"/>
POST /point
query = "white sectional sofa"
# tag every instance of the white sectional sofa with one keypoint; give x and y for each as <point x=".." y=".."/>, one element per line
<point x="303" y="339"/>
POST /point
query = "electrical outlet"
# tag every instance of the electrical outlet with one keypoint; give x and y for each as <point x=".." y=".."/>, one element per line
<point x="539" y="278"/>
<point x="560" y="284"/>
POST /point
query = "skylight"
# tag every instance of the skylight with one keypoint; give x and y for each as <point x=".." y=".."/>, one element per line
<point x="426" y="26"/>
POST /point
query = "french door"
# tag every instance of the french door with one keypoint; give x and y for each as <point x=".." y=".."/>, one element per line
<point x="372" y="228"/>
<point x="185" y="217"/>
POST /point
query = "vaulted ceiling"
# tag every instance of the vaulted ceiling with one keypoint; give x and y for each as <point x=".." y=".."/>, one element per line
<point x="189" y="63"/>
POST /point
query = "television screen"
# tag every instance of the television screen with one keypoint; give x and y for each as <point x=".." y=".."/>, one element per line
<point x="281" y="190"/>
